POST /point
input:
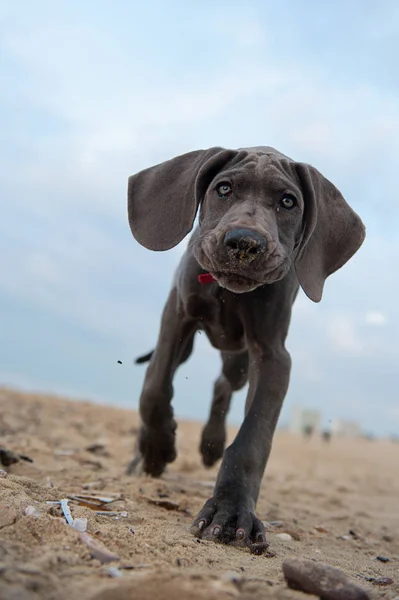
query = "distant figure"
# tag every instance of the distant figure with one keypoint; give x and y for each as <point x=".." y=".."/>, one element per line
<point x="307" y="431"/>
<point x="326" y="436"/>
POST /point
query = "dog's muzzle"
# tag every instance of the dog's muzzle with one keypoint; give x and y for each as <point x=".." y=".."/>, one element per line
<point x="244" y="245"/>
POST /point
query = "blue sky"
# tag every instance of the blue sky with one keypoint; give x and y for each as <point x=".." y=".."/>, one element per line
<point x="93" y="92"/>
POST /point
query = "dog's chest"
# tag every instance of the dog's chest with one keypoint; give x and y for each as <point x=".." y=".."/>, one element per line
<point x="223" y="325"/>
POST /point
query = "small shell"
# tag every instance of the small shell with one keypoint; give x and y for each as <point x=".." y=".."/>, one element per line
<point x="284" y="537"/>
<point x="97" y="549"/>
<point x="32" y="511"/>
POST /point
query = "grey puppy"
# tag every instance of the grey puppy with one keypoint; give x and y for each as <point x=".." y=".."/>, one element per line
<point x="267" y="225"/>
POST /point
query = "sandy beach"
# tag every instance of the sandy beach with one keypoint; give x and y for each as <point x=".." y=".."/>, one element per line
<point x="337" y="503"/>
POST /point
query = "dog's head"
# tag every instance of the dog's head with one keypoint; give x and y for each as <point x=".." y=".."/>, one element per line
<point x="260" y="212"/>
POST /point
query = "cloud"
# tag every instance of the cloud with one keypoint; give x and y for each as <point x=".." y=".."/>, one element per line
<point x="342" y="333"/>
<point x="375" y="317"/>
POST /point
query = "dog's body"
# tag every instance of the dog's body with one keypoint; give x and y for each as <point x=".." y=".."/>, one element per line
<point x="267" y="225"/>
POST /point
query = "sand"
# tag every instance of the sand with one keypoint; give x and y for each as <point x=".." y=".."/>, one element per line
<point x="318" y="492"/>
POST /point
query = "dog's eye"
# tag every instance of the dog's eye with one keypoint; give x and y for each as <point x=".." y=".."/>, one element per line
<point x="224" y="189"/>
<point x="288" y="201"/>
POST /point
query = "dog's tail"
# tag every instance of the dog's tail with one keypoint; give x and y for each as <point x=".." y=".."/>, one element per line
<point x="145" y="358"/>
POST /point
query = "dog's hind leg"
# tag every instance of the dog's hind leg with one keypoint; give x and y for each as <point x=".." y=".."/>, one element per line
<point x="156" y="442"/>
<point x="233" y="377"/>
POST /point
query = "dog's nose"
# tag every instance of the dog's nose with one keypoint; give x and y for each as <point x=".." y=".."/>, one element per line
<point x="244" y="244"/>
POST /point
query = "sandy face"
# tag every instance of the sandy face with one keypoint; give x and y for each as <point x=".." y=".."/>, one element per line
<point x="336" y="503"/>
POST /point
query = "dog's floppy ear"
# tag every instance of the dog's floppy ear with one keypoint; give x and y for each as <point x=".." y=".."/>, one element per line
<point x="163" y="200"/>
<point x="332" y="233"/>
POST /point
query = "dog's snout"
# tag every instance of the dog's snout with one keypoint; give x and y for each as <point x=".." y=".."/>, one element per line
<point x="244" y="243"/>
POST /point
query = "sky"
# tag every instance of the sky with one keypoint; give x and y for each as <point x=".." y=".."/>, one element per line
<point x="92" y="92"/>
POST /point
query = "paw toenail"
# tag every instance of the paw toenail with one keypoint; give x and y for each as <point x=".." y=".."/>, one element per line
<point x="240" y="533"/>
<point x="216" y="530"/>
<point x="201" y="525"/>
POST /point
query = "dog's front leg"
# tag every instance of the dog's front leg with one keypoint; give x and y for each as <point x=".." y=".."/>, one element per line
<point x="229" y="516"/>
<point x="156" y="443"/>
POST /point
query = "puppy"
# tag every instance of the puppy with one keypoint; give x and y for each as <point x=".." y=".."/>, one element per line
<point x="267" y="225"/>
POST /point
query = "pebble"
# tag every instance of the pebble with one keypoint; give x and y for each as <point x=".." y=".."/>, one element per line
<point x="284" y="537"/>
<point x="232" y="577"/>
<point x="114" y="572"/>
<point x="353" y="534"/>
<point x="383" y="559"/>
<point x="382" y="581"/>
<point x="32" y="511"/>
<point x="321" y="580"/>
<point x="321" y="529"/>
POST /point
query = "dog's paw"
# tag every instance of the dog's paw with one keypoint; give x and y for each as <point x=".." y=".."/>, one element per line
<point x="229" y="521"/>
<point x="156" y="448"/>
<point x="212" y="444"/>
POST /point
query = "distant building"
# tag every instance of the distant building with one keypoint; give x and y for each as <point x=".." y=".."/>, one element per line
<point x="342" y="428"/>
<point x="304" y="419"/>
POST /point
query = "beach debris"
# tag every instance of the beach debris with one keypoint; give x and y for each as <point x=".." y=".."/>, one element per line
<point x="130" y="567"/>
<point x="114" y="572"/>
<point x="98" y="483"/>
<point x="295" y="533"/>
<point x="80" y="524"/>
<point x="284" y="537"/>
<point x="321" y="529"/>
<point x="382" y="581"/>
<point x="97" y="549"/>
<point x="383" y="559"/>
<point x="115" y="513"/>
<point x="87" y="462"/>
<point x="273" y="524"/>
<point x="64" y="452"/>
<point x="8" y="457"/>
<point x="3" y="473"/>
<point x="167" y="504"/>
<point x="379" y="581"/>
<point x="32" y="511"/>
<point x="207" y="484"/>
<point x="322" y="580"/>
<point x="91" y="501"/>
<point x="98" y="449"/>
<point x="66" y="511"/>
<point x="94" y="501"/>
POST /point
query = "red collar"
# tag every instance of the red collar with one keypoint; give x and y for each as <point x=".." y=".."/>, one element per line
<point x="206" y="278"/>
